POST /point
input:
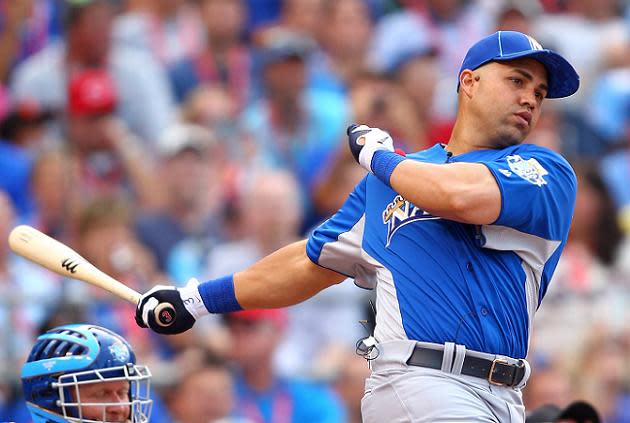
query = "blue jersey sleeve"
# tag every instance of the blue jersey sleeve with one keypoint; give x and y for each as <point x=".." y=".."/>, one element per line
<point x="337" y="243"/>
<point x="538" y="189"/>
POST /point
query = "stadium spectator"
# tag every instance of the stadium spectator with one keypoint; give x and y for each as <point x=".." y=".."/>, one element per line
<point x="261" y="395"/>
<point x="203" y="393"/>
<point x="587" y="27"/>
<point x="145" y="102"/>
<point x="450" y="26"/>
<point x="303" y="17"/>
<point x="224" y="58"/>
<point x="292" y="127"/>
<point x="26" y="292"/>
<point x="514" y="15"/>
<point x="25" y="28"/>
<point x="110" y="158"/>
<point x="549" y="381"/>
<point x="603" y="382"/>
<point x="191" y="179"/>
<point x="590" y="286"/>
<point x="344" y="37"/>
<point x="417" y="74"/>
<point x="349" y="382"/>
<point x="56" y="202"/>
<point x="576" y="412"/>
<point x="169" y="30"/>
<point x="22" y="134"/>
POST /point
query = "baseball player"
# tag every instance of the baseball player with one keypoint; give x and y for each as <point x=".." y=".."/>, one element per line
<point x="85" y="373"/>
<point x="460" y="242"/>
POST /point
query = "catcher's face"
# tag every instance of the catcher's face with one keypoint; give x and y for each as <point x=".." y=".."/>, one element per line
<point x="507" y="99"/>
<point x="113" y="395"/>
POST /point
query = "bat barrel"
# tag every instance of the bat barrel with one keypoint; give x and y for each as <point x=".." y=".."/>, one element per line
<point x="39" y="248"/>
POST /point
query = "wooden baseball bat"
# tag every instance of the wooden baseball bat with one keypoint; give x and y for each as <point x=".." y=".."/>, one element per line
<point x="39" y="248"/>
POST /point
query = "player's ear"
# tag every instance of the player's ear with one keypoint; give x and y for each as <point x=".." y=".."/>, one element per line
<point x="467" y="80"/>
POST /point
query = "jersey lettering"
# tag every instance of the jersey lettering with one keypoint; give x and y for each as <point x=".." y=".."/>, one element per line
<point x="400" y="212"/>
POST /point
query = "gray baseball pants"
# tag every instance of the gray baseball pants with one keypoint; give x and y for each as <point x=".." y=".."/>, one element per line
<point x="397" y="393"/>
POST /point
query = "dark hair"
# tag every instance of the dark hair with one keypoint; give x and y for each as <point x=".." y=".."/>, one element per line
<point x="72" y="10"/>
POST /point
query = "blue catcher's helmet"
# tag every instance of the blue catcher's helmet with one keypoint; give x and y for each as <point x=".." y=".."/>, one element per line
<point x="66" y="358"/>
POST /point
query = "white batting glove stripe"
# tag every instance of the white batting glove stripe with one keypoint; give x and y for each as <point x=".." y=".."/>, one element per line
<point x="192" y="299"/>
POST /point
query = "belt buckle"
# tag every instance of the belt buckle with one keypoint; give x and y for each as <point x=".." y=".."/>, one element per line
<point x="492" y="368"/>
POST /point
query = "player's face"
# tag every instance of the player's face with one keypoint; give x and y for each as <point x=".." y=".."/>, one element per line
<point x="105" y="392"/>
<point x="509" y="97"/>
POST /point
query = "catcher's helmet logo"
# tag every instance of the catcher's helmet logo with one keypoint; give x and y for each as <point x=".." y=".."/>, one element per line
<point x="120" y="352"/>
<point x="400" y="212"/>
<point x="49" y="364"/>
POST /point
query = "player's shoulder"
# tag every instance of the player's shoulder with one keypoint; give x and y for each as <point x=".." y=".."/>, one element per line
<point x="533" y="149"/>
<point x="539" y="153"/>
<point x="533" y="163"/>
<point x="434" y="154"/>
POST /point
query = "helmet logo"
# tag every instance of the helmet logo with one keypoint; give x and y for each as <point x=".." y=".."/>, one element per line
<point x="49" y="364"/>
<point x="120" y="352"/>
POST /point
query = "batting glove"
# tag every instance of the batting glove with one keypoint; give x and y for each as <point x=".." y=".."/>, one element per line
<point x="365" y="141"/>
<point x="169" y="310"/>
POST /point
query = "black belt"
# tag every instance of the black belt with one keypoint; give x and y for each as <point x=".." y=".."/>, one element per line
<point x="497" y="372"/>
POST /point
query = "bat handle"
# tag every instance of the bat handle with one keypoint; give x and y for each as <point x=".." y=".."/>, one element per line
<point x="165" y="314"/>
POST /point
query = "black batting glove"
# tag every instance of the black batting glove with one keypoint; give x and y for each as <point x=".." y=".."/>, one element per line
<point x="365" y="141"/>
<point x="169" y="310"/>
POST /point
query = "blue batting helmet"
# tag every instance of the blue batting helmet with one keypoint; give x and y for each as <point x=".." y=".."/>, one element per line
<point x="66" y="357"/>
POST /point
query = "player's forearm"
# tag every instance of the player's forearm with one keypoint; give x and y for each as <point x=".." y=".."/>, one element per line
<point x="464" y="192"/>
<point x="283" y="278"/>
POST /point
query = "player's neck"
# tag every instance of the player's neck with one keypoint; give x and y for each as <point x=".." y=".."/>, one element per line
<point x="466" y="136"/>
<point x="460" y="142"/>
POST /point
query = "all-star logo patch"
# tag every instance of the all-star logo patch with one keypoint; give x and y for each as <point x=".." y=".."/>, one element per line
<point x="530" y="169"/>
<point x="400" y="212"/>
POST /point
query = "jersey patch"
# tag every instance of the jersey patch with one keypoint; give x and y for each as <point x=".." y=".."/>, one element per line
<point x="530" y="170"/>
<point x="400" y="212"/>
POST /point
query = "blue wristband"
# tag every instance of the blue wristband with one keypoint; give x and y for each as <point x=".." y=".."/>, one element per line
<point x="218" y="295"/>
<point x="384" y="163"/>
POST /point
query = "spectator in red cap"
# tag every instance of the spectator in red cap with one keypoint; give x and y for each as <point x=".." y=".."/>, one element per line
<point x="144" y="97"/>
<point x="112" y="161"/>
<point x="262" y="396"/>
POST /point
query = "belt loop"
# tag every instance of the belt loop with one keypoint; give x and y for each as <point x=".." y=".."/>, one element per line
<point x="458" y="362"/>
<point x="447" y="357"/>
<point x="528" y="371"/>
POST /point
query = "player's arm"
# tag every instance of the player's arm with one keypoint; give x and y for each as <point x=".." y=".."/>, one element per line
<point x="464" y="192"/>
<point x="288" y="276"/>
<point x="281" y="279"/>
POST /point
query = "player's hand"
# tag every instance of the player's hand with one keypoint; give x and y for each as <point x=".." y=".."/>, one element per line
<point x="365" y="141"/>
<point x="181" y="316"/>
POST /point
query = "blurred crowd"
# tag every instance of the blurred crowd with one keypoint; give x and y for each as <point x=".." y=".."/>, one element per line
<point x="169" y="139"/>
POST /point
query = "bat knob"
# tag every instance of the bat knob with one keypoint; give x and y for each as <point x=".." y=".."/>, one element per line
<point x="165" y="314"/>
